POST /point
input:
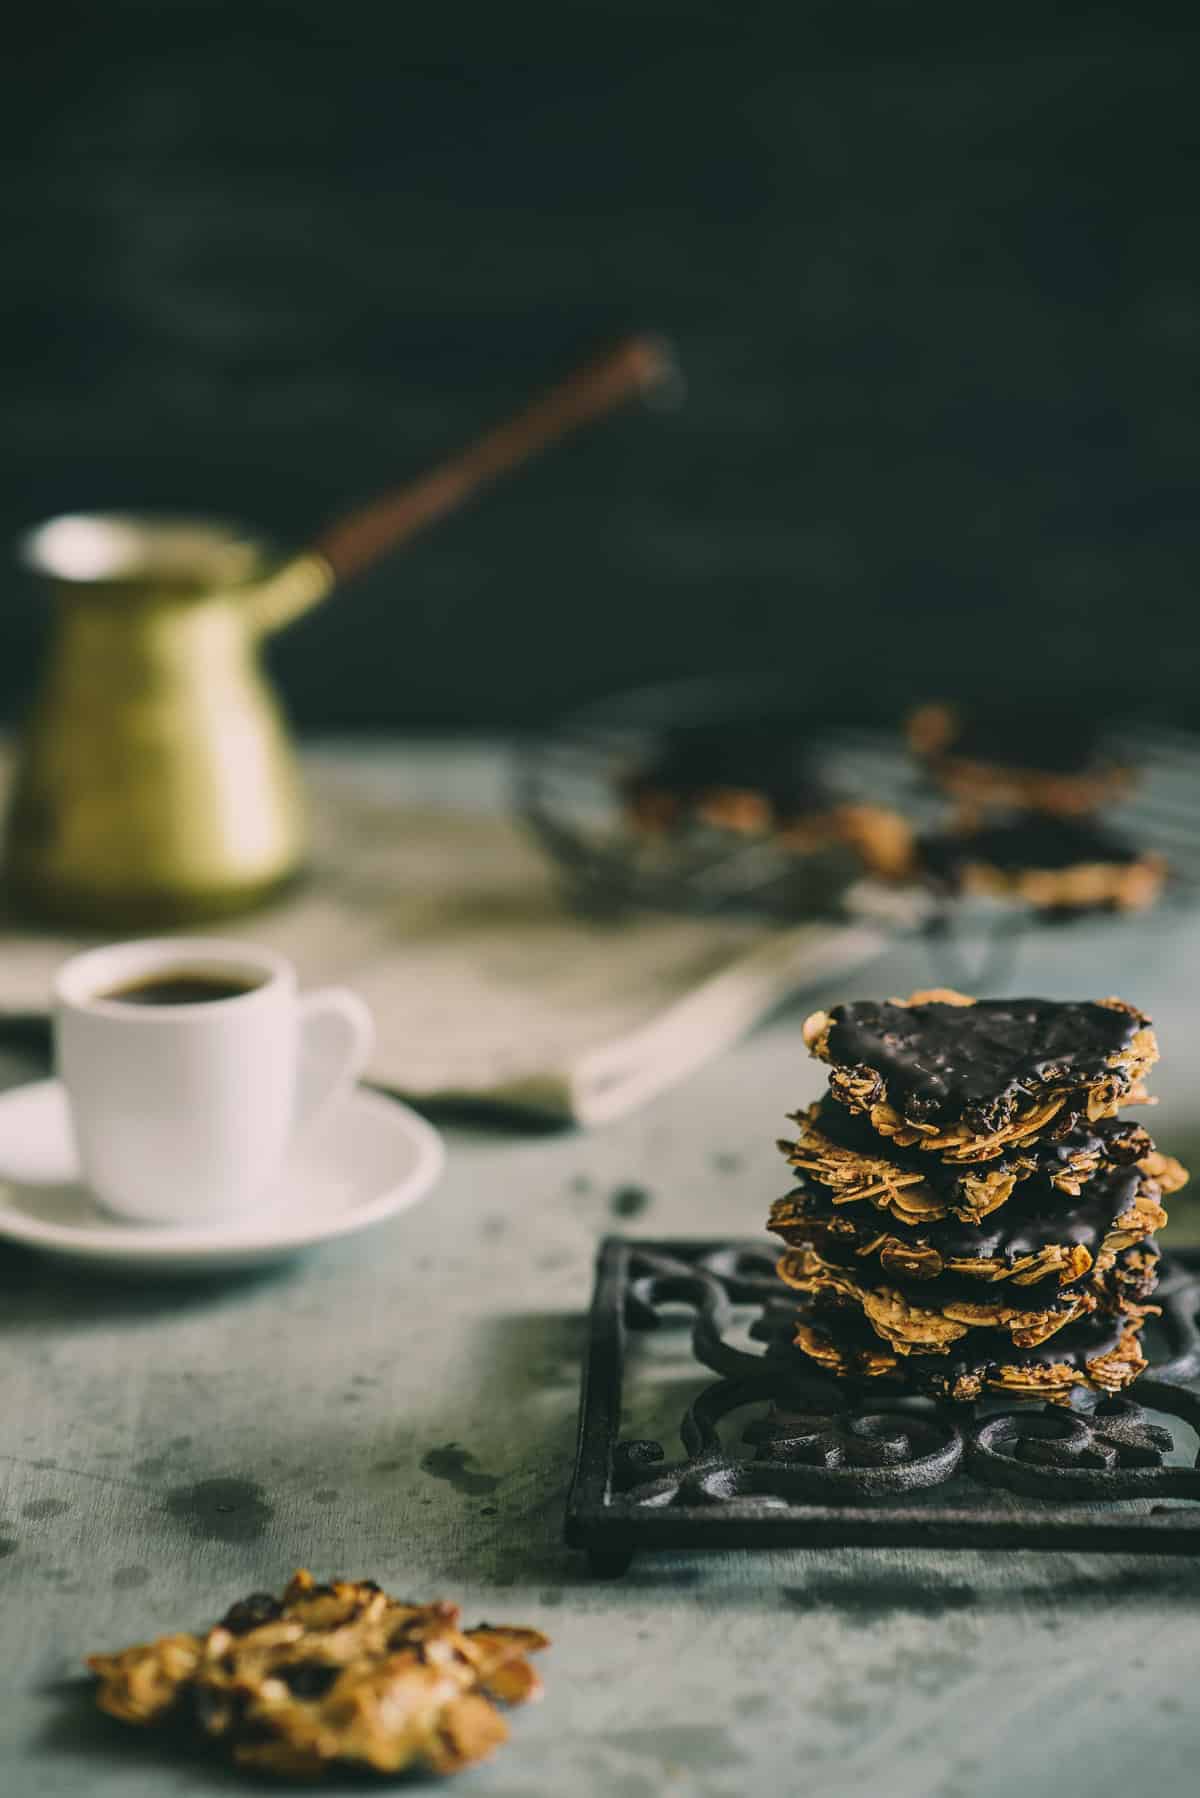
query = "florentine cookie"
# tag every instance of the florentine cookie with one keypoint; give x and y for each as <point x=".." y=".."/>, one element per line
<point x="1039" y="1235"/>
<point x="1055" y="864"/>
<point x="331" y="1675"/>
<point x="750" y="781"/>
<point x="1098" y="1354"/>
<point x="927" y="1319"/>
<point x="838" y="1150"/>
<point x="935" y="1311"/>
<point x="966" y="1078"/>
<point x="1001" y="756"/>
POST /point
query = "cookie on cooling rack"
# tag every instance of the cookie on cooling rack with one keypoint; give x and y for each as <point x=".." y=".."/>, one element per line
<point x="752" y="782"/>
<point x="328" y="1677"/>
<point x="966" y="1078"/>
<point x="838" y="1150"/>
<point x="1098" y="1354"/>
<point x="1055" y="864"/>
<point x="1038" y="1235"/>
<point x="1024" y="758"/>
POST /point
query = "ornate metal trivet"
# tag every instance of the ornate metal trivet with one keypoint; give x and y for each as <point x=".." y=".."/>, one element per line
<point x="818" y="1463"/>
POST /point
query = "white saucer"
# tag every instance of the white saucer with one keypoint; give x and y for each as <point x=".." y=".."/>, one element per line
<point x="369" y="1158"/>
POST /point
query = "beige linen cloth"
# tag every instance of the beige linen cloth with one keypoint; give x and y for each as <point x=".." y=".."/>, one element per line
<point x="484" y="986"/>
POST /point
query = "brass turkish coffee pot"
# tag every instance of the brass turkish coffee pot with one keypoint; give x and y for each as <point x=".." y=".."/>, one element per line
<point x="156" y="783"/>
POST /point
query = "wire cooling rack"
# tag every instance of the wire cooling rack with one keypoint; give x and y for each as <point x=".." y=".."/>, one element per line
<point x="569" y="788"/>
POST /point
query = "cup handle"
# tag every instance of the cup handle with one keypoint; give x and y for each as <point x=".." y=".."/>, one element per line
<point x="336" y="1038"/>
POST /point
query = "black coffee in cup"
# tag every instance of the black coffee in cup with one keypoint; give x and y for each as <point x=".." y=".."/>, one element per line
<point x="181" y="986"/>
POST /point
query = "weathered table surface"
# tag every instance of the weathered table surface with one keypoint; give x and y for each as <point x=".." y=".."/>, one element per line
<point x="403" y="1406"/>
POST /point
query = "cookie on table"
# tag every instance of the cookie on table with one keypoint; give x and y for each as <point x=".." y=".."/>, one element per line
<point x="1098" y="1354"/>
<point x="1024" y="758"/>
<point x="329" y="1677"/>
<point x="966" y="1079"/>
<point x="1055" y="864"/>
<point x="1037" y="1236"/>
<point x="839" y="1151"/>
<point x="751" y="782"/>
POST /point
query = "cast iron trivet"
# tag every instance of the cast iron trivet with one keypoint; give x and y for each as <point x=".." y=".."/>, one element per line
<point x="816" y="1463"/>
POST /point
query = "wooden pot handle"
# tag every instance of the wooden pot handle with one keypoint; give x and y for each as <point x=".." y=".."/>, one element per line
<point x="638" y="365"/>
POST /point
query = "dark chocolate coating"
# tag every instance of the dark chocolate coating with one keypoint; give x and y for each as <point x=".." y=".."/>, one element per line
<point x="954" y="1289"/>
<point x="975" y="1063"/>
<point x="1030" y="842"/>
<point x="978" y="1352"/>
<point x="1038" y="1216"/>
<point x="1120" y="1140"/>
<point x="1073" y="1346"/>
<point x="1035" y="1218"/>
<point x="1117" y="1140"/>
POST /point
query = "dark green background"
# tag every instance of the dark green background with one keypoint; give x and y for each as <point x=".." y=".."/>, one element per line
<point x="932" y="272"/>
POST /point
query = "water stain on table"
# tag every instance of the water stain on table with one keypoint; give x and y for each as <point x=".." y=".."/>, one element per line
<point x="458" y="1467"/>
<point x="863" y="1604"/>
<point x="150" y="1466"/>
<point x="630" y="1201"/>
<point x="128" y="1579"/>
<point x="685" y="1745"/>
<point x="39" y="1509"/>
<point x="225" y="1509"/>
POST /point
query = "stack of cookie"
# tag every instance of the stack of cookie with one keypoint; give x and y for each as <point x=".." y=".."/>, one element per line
<point x="973" y="1213"/>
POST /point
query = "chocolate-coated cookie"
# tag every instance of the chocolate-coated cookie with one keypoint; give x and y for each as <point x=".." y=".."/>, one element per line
<point x="1040" y="1234"/>
<point x="1042" y="760"/>
<point x="1054" y="864"/>
<point x="927" y="1319"/>
<point x="751" y="781"/>
<point x="1099" y="1354"/>
<point x="966" y="1078"/>
<point x="840" y="1151"/>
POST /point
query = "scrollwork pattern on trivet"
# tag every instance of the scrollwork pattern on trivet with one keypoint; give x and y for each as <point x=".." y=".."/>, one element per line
<point x="1113" y="1451"/>
<point x="817" y="1440"/>
<point x="822" y="1452"/>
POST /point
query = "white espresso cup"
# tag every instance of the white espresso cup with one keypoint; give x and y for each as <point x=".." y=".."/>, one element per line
<point x="183" y="1108"/>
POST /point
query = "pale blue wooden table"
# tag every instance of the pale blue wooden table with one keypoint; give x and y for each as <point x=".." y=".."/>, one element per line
<point x="403" y="1406"/>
